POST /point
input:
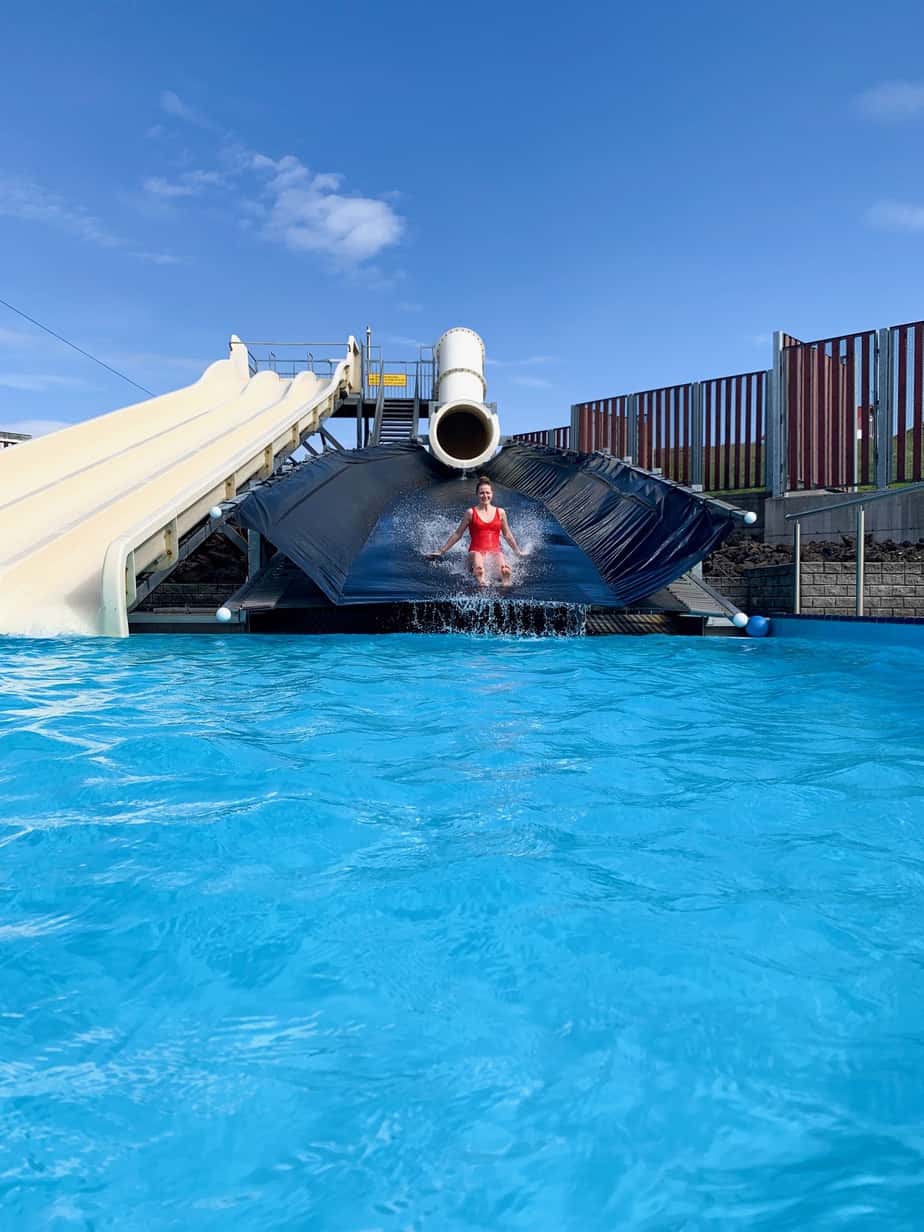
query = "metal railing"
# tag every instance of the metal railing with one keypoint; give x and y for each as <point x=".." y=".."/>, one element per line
<point x="402" y="377"/>
<point x="8" y="439"/>
<point x="379" y="405"/>
<point x="288" y="359"/>
<point x="860" y="502"/>
<point x="711" y="432"/>
<point x="557" y="438"/>
<point x="415" y="422"/>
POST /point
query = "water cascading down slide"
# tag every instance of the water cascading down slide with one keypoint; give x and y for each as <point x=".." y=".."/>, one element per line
<point x="464" y="430"/>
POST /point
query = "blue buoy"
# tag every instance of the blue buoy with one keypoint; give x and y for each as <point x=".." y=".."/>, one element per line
<point x="758" y="626"/>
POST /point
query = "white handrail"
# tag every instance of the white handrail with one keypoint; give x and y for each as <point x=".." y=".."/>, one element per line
<point x="860" y="502"/>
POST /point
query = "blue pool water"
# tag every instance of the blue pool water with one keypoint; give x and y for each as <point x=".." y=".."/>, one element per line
<point x="460" y="934"/>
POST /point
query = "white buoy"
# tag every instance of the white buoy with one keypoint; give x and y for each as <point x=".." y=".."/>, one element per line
<point x="750" y="518"/>
<point x="739" y="620"/>
<point x="223" y="614"/>
<point x="215" y="512"/>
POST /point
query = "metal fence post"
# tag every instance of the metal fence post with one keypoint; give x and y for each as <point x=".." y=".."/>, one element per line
<point x="777" y="480"/>
<point x="861" y="554"/>
<point x="254" y="553"/>
<point x="696" y="434"/>
<point x="632" y="427"/>
<point x="884" y="408"/>
<point x="797" y="566"/>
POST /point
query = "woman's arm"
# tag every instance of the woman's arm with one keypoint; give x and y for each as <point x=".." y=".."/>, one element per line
<point x="508" y="533"/>
<point x="456" y="534"/>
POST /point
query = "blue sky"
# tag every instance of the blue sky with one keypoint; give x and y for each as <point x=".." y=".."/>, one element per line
<point x="614" y="197"/>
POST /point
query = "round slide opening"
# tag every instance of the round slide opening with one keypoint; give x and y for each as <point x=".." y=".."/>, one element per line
<point x="464" y="435"/>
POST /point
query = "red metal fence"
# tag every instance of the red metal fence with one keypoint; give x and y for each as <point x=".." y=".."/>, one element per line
<point x="842" y="415"/>
<point x="830" y="409"/>
<point x="664" y="430"/>
<point x="734" y="410"/>
<point x="604" y="424"/>
<point x="560" y="438"/>
<point x="725" y="416"/>
<point x="907" y="428"/>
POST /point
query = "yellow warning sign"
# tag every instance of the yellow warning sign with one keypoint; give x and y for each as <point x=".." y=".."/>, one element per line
<point x="390" y="378"/>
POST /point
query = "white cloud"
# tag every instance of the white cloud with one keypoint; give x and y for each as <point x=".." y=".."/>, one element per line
<point x="155" y="132"/>
<point x="409" y="305"/>
<point x="307" y="213"/>
<point x="190" y="184"/>
<point x="36" y="427"/>
<point x="205" y="179"/>
<point x="17" y="338"/>
<point x="23" y="198"/>
<point x="41" y="382"/>
<point x="174" y="106"/>
<point x="158" y="258"/>
<point x="893" y="100"/>
<point x="398" y="340"/>
<point x="159" y="187"/>
<point x="153" y="361"/>
<point x="896" y="216"/>
<point x="532" y="382"/>
<point x="529" y="362"/>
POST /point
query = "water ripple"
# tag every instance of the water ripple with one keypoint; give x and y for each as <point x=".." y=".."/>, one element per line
<point x="455" y="934"/>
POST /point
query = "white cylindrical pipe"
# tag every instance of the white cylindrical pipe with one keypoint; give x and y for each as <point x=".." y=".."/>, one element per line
<point x="460" y="367"/>
<point x="464" y="431"/>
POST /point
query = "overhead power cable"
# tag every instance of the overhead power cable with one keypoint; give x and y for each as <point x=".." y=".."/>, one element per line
<point x="75" y="347"/>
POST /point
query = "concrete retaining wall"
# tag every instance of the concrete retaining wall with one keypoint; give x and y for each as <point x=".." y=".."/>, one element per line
<point x="828" y="588"/>
<point x="900" y="518"/>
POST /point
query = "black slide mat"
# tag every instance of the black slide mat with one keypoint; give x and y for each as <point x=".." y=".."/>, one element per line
<point x="598" y="532"/>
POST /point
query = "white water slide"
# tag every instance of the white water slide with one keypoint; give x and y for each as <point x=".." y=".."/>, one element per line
<point x="86" y="510"/>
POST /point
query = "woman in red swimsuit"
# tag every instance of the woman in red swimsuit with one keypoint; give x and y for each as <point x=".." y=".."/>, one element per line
<point x="485" y="525"/>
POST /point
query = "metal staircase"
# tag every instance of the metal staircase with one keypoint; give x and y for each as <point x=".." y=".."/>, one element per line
<point x="396" y="419"/>
<point x="397" y="422"/>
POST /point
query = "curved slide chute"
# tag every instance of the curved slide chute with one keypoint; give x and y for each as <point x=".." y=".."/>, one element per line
<point x="607" y="533"/>
<point x="85" y="510"/>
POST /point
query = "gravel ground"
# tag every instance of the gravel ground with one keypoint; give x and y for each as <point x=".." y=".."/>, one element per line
<point x="740" y="552"/>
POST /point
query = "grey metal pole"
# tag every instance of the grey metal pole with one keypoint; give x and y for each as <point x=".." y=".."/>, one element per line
<point x="777" y="482"/>
<point x="884" y="408"/>
<point x="632" y="427"/>
<point x="797" y="565"/>
<point x="861" y="556"/>
<point x="696" y="434"/>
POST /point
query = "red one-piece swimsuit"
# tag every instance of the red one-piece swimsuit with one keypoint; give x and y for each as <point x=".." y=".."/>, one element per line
<point x="485" y="536"/>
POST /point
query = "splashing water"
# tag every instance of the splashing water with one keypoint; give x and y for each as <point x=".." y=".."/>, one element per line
<point x="486" y="615"/>
<point x="431" y="528"/>
<point x="461" y="604"/>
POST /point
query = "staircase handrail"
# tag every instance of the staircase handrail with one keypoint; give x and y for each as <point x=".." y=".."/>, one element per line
<point x="415" y="422"/>
<point x="379" y="404"/>
<point x="860" y="501"/>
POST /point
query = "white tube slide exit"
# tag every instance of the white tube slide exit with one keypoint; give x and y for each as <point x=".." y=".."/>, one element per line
<point x="464" y="431"/>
